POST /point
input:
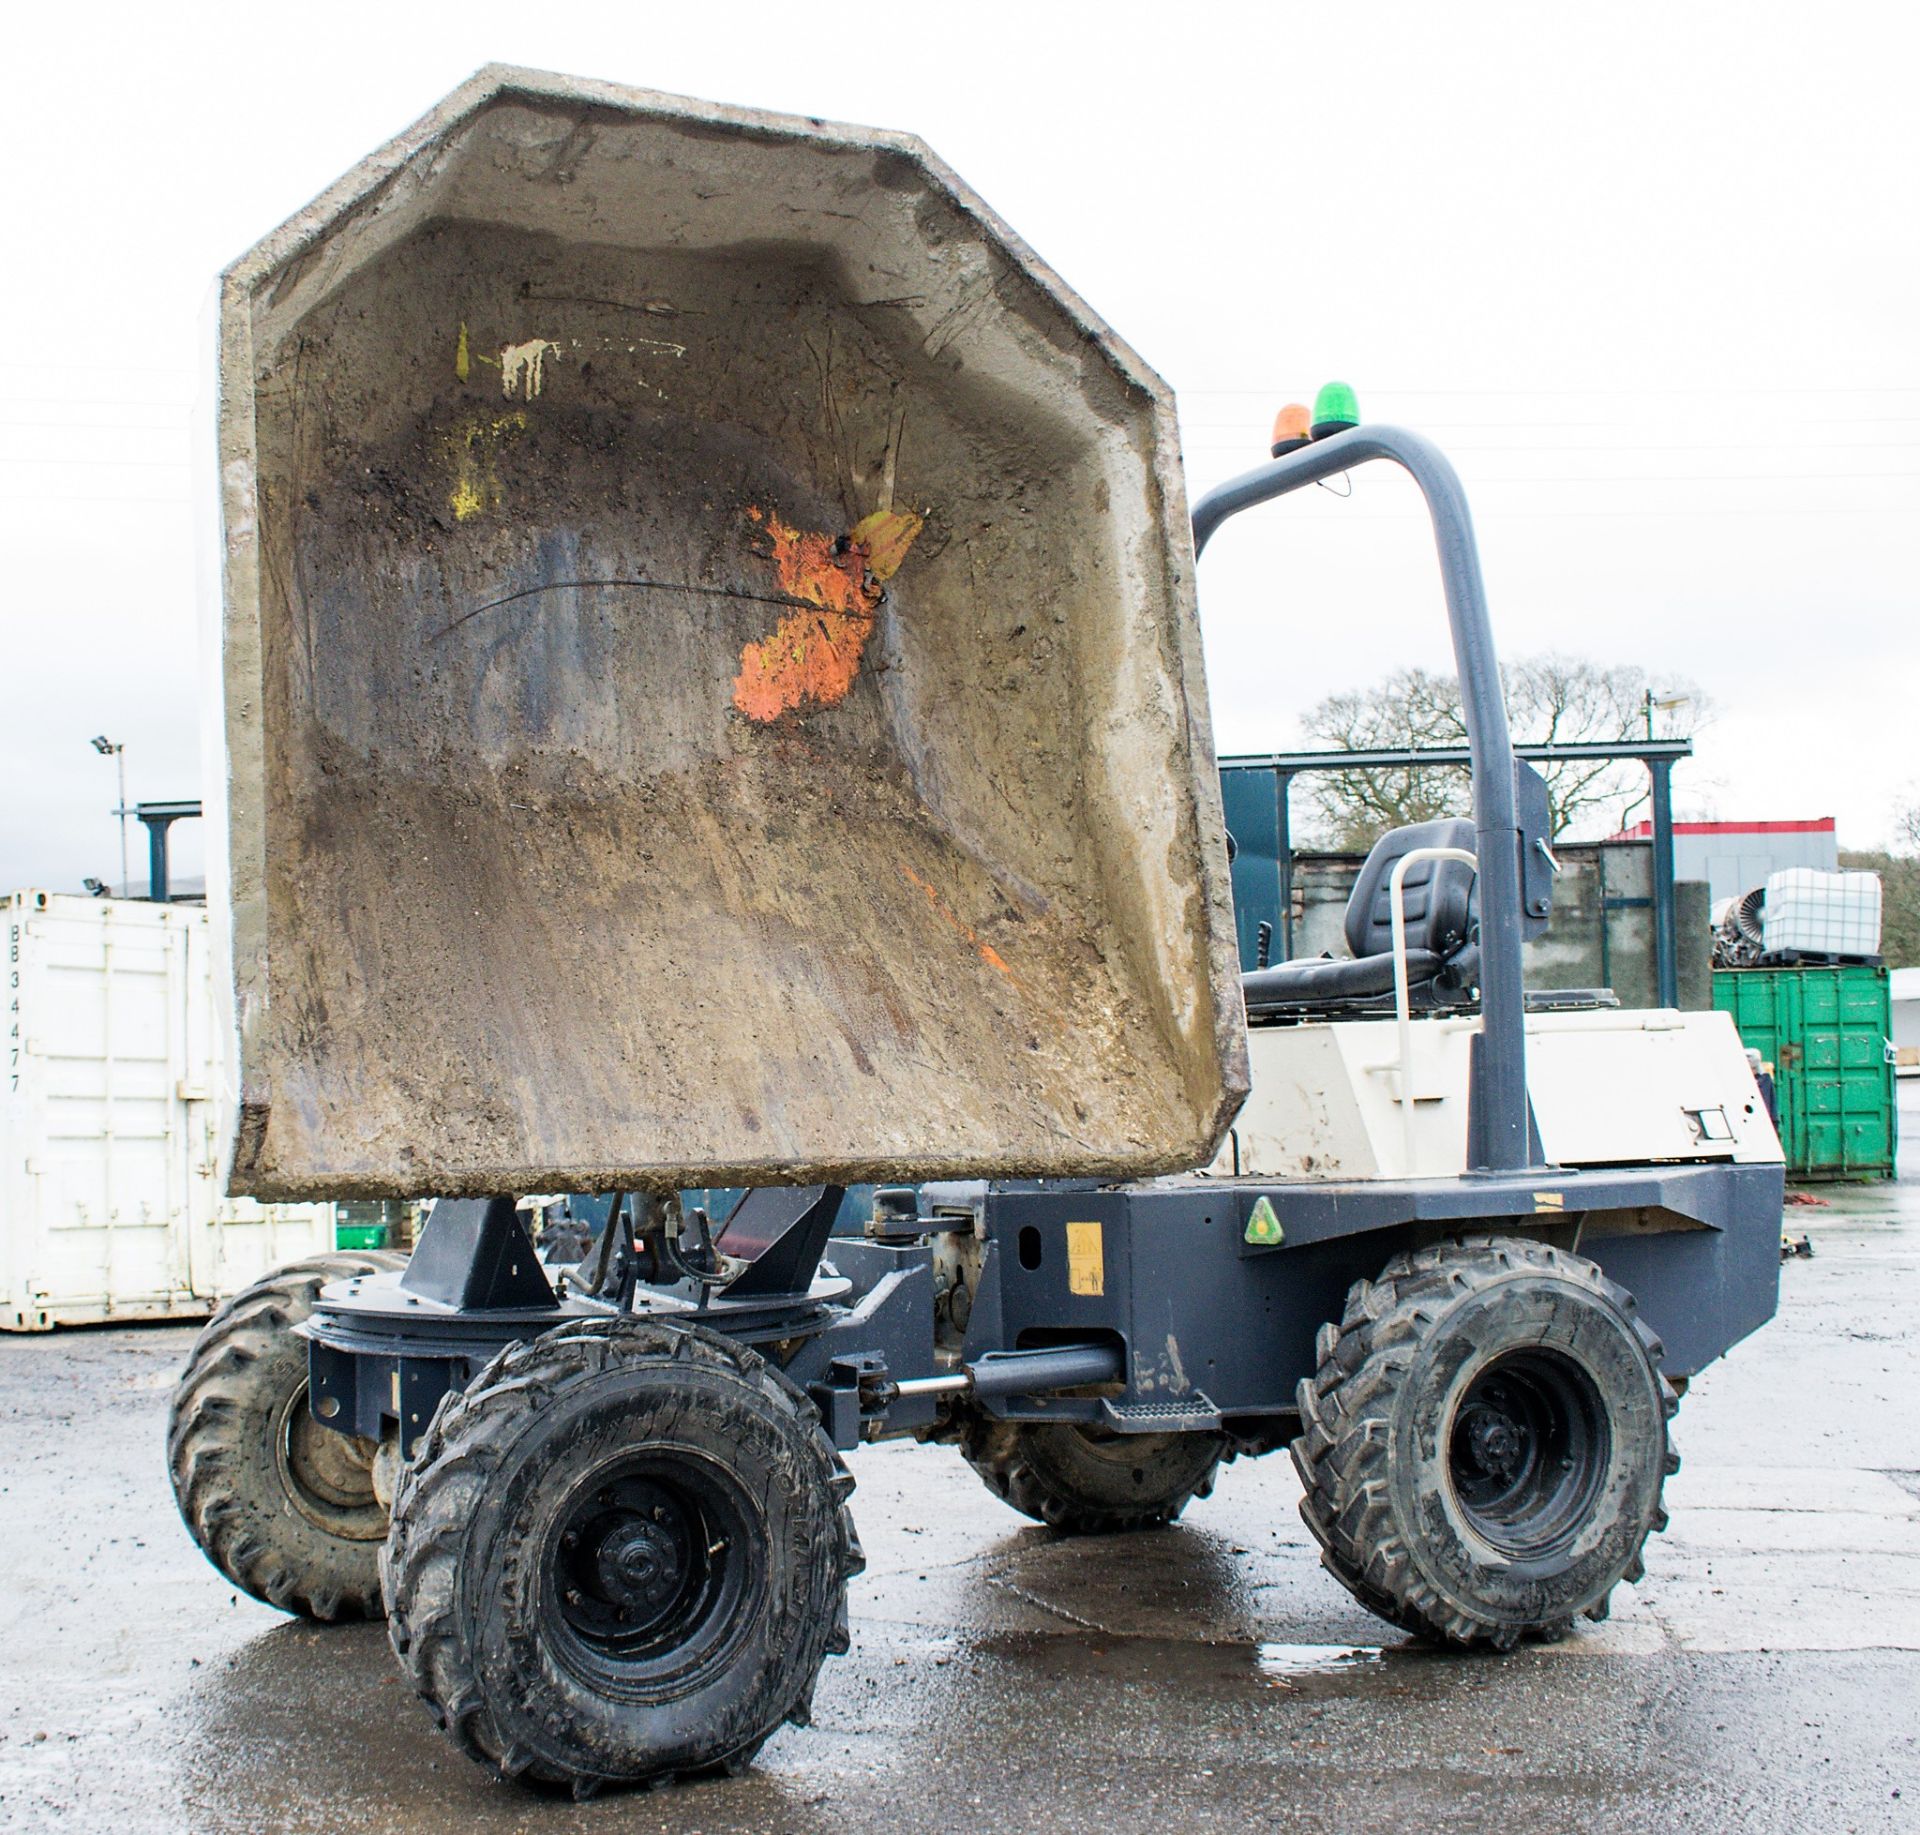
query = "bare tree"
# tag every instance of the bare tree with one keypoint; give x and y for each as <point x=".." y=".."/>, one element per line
<point x="1906" y="830"/>
<point x="1412" y="707"/>
<point x="1549" y="698"/>
<point x="1899" y="892"/>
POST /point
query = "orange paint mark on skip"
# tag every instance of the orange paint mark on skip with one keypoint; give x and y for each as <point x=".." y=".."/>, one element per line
<point x="986" y="952"/>
<point x="814" y="653"/>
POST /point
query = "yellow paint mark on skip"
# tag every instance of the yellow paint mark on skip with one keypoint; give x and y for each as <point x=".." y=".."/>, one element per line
<point x="471" y="449"/>
<point x="884" y="538"/>
<point x="462" y="363"/>
<point x="1086" y="1260"/>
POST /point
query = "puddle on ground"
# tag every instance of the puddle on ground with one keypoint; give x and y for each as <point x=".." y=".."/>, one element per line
<point x="1224" y="1669"/>
<point x="1284" y="1663"/>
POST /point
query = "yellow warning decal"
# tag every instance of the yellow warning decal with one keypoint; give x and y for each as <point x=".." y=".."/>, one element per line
<point x="1086" y="1259"/>
<point x="1549" y="1201"/>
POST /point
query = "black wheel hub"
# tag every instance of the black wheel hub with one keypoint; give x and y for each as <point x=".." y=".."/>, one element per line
<point x="640" y="1564"/>
<point x="1497" y="1443"/>
<point x="1528" y="1452"/>
<point x="646" y="1563"/>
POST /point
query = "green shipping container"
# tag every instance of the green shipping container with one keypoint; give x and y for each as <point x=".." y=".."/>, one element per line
<point x="1827" y="1033"/>
<point x="364" y="1224"/>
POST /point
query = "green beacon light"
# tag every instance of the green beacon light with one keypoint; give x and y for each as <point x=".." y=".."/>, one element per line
<point x="1335" y="409"/>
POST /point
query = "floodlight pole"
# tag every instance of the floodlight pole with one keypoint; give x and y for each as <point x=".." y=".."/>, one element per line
<point x="120" y="765"/>
<point x="118" y="752"/>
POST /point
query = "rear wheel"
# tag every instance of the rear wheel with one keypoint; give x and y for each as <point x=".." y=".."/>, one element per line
<point x="282" y="1505"/>
<point x="1485" y="1442"/>
<point x="620" y="1556"/>
<point x="1082" y="1481"/>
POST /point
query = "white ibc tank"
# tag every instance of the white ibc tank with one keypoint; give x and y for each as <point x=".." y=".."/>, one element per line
<point x="1812" y="913"/>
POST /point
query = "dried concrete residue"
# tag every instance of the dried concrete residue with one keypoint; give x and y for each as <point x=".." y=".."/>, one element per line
<point x="523" y="367"/>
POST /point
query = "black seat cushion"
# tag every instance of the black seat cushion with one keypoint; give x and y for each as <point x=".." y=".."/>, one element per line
<point x="1332" y="980"/>
<point x="1437" y="900"/>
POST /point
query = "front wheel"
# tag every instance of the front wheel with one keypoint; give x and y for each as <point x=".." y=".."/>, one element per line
<point x="1485" y="1442"/>
<point x="620" y="1556"/>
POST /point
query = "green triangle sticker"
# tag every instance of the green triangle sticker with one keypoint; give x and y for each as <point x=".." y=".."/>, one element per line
<point x="1263" y="1227"/>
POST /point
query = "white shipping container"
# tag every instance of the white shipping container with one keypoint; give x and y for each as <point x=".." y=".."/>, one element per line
<point x="1821" y="914"/>
<point x="1904" y="987"/>
<point x="110" y="1200"/>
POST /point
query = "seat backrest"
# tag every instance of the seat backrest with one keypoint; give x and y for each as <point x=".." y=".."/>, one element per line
<point x="1437" y="895"/>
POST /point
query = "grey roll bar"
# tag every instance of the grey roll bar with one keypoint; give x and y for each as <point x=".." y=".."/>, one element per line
<point x="1498" y="1132"/>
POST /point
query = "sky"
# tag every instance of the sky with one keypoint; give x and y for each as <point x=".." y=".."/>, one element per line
<point x="1649" y="273"/>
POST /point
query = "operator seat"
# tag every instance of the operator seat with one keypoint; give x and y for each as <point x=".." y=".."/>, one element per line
<point x="1442" y="931"/>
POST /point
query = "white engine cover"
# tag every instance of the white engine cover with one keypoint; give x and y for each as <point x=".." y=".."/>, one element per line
<point x="1608" y="1087"/>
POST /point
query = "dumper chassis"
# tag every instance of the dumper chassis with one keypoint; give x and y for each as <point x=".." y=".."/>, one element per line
<point x="617" y="1542"/>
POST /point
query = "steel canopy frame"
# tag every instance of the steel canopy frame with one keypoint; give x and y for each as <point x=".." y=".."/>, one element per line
<point x="1497" y="1105"/>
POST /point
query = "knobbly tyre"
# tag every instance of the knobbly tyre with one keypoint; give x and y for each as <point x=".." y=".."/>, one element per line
<point x="582" y="900"/>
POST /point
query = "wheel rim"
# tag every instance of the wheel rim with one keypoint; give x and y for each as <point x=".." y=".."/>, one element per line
<point x="1527" y="1452"/>
<point x="1123" y="1452"/>
<point x="649" y="1569"/>
<point x="327" y="1476"/>
<point x="1133" y="1455"/>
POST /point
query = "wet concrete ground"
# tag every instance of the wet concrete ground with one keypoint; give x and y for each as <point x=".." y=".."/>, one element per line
<point x="1766" y="1676"/>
